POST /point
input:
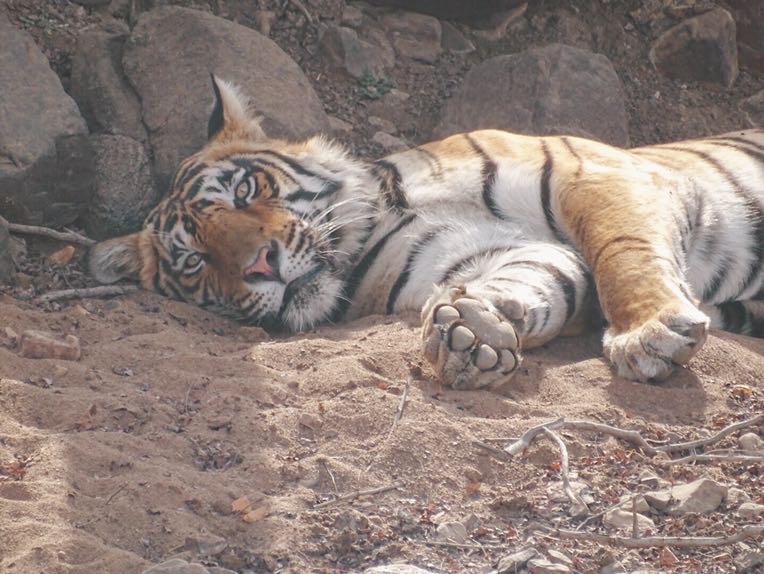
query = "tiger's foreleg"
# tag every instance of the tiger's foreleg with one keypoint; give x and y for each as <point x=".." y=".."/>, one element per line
<point x="631" y="233"/>
<point x="476" y="322"/>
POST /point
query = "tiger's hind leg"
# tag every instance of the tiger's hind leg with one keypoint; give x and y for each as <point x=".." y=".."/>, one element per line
<point x="744" y="317"/>
<point x="475" y="322"/>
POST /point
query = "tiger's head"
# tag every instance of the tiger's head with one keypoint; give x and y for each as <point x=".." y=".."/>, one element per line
<point x="258" y="229"/>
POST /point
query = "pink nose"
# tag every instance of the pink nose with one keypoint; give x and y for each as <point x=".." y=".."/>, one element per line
<point x="261" y="265"/>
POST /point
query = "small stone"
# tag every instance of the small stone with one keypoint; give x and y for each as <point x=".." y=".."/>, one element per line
<point x="620" y="519"/>
<point x="352" y="16"/>
<point x="642" y="504"/>
<point x="44" y="345"/>
<point x="211" y="545"/>
<point x="8" y="338"/>
<point x="338" y="125"/>
<point x="750" y="510"/>
<point x="311" y="421"/>
<point x="512" y="563"/>
<point x="703" y="495"/>
<point x="544" y="566"/>
<point x="658" y="499"/>
<point x="650" y="479"/>
<point x="736" y="497"/>
<point x="473" y="474"/>
<point x="750" y="441"/>
<point x="382" y="124"/>
<point x="389" y="142"/>
<point x="414" y="35"/>
<point x="253" y="334"/>
<point x="559" y="558"/>
<point x="452" y="532"/>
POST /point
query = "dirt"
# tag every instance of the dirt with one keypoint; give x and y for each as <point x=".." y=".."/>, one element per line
<point x="143" y="449"/>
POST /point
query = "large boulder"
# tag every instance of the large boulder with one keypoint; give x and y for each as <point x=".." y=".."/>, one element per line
<point x="701" y="49"/>
<point x="124" y="189"/>
<point x="100" y="88"/>
<point x="45" y="163"/>
<point x="168" y="58"/>
<point x="557" y="89"/>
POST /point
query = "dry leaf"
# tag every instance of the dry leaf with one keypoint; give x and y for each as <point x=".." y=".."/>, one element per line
<point x="62" y="256"/>
<point x="257" y="514"/>
<point x="742" y="391"/>
<point x="668" y="559"/>
<point x="241" y="504"/>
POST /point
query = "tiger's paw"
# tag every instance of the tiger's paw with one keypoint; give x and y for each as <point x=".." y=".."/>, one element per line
<point x="469" y="342"/>
<point x="653" y="350"/>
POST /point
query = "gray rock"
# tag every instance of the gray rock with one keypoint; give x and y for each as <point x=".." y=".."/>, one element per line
<point x="453" y="9"/>
<point x="750" y="510"/>
<point x="658" y="499"/>
<point x="699" y="49"/>
<point x="414" y="35"/>
<point x="544" y="566"/>
<point x="352" y="16"/>
<point x="452" y="40"/>
<point x="452" y="532"/>
<point x="749" y="562"/>
<point x="512" y="563"/>
<point x="559" y="558"/>
<point x="736" y="497"/>
<point x="552" y="90"/>
<point x="178" y="566"/>
<point x="641" y="504"/>
<point x="166" y="59"/>
<point x="702" y="495"/>
<point x="343" y="48"/>
<point x="750" y="440"/>
<point x="620" y="519"/>
<point x="124" y="188"/>
<point x="45" y="168"/>
<point x="389" y="143"/>
<point x="7" y="268"/>
<point x="396" y="569"/>
<point x="100" y="88"/>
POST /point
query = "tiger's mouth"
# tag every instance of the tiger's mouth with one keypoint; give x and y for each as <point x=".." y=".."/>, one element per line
<point x="294" y="287"/>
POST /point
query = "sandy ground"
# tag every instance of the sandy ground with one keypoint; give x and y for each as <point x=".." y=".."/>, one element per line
<point x="136" y="452"/>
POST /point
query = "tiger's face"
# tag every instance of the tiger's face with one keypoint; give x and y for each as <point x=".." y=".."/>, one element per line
<point x="255" y="229"/>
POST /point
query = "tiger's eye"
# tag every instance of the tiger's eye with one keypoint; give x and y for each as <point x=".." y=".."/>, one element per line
<point x="242" y="190"/>
<point x="193" y="260"/>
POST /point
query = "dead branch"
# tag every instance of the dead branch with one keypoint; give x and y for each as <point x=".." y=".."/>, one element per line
<point x="100" y="291"/>
<point x="67" y="236"/>
<point x="467" y="546"/>
<point x="356" y="494"/>
<point x="525" y="441"/>
<point x="402" y="404"/>
<point x="497" y="452"/>
<point x="577" y="505"/>
<point x="749" y="531"/>
<point x="115" y="493"/>
<point x="681" y="446"/>
<point x="742" y="458"/>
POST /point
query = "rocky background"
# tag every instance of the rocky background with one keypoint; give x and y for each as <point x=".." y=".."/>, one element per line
<point x="137" y="438"/>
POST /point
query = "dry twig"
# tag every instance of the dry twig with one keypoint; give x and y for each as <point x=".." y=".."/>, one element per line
<point x="356" y="494"/>
<point x="749" y="531"/>
<point x="115" y="493"/>
<point x="68" y="236"/>
<point x="402" y="404"/>
<point x="742" y="458"/>
<point x="578" y="506"/>
<point x="467" y="546"/>
<point x="691" y="445"/>
<point x="100" y="291"/>
<point x="301" y="7"/>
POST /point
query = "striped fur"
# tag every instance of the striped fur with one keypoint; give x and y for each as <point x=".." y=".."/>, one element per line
<point x="545" y="235"/>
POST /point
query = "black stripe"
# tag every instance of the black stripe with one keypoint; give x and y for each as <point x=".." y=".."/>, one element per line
<point x="566" y="142"/>
<point x="646" y="246"/>
<point x="567" y="284"/>
<point x="391" y="188"/>
<point x="756" y="214"/>
<point x="330" y="188"/>
<point x="360" y="270"/>
<point x="757" y="154"/>
<point x="470" y="259"/>
<point x="436" y="168"/>
<point x="404" y="276"/>
<point x="740" y="140"/>
<point x="488" y="171"/>
<point x="546" y="192"/>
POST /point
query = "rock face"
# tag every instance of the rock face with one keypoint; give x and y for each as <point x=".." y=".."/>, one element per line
<point x="167" y="60"/>
<point x="100" y="88"/>
<point x="701" y="49"/>
<point x="552" y="90"/>
<point x="45" y="170"/>
<point x="124" y="190"/>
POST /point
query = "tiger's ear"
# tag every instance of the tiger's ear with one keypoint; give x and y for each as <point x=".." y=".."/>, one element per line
<point x="115" y="259"/>
<point x="231" y="118"/>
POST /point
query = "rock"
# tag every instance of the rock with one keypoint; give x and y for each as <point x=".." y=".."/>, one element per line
<point x="124" y="188"/>
<point x="544" y="566"/>
<point x="750" y="510"/>
<point x="512" y="563"/>
<point x="700" y="49"/>
<point x="100" y="88"/>
<point x="559" y="558"/>
<point x="736" y="497"/>
<point x="7" y="266"/>
<point x="452" y="532"/>
<point x="389" y="143"/>
<point x="45" y="166"/>
<point x="651" y="480"/>
<point x="626" y="503"/>
<point x="166" y="59"/>
<point x="310" y="421"/>
<point x="453" y="9"/>
<point x="396" y="569"/>
<point x="658" y="499"/>
<point x="178" y="566"/>
<point x="620" y="519"/>
<point x="749" y="562"/>
<point x="552" y="90"/>
<point x="392" y="107"/>
<point x="352" y="16"/>
<point x="337" y="125"/>
<point x="750" y="41"/>
<point x="702" y="495"/>
<point x="343" y="48"/>
<point x="414" y="36"/>
<point x="452" y="40"/>
<point x="382" y="124"/>
<point x="44" y="345"/>
<point x="750" y="441"/>
<point x="8" y="337"/>
<point x="210" y="544"/>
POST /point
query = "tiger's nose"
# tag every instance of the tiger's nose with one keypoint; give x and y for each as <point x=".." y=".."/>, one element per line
<point x="266" y="264"/>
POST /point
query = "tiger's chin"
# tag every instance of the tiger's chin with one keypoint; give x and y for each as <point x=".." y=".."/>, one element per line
<point x="310" y="300"/>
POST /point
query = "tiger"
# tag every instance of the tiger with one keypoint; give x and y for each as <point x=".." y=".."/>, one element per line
<point x="501" y="241"/>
